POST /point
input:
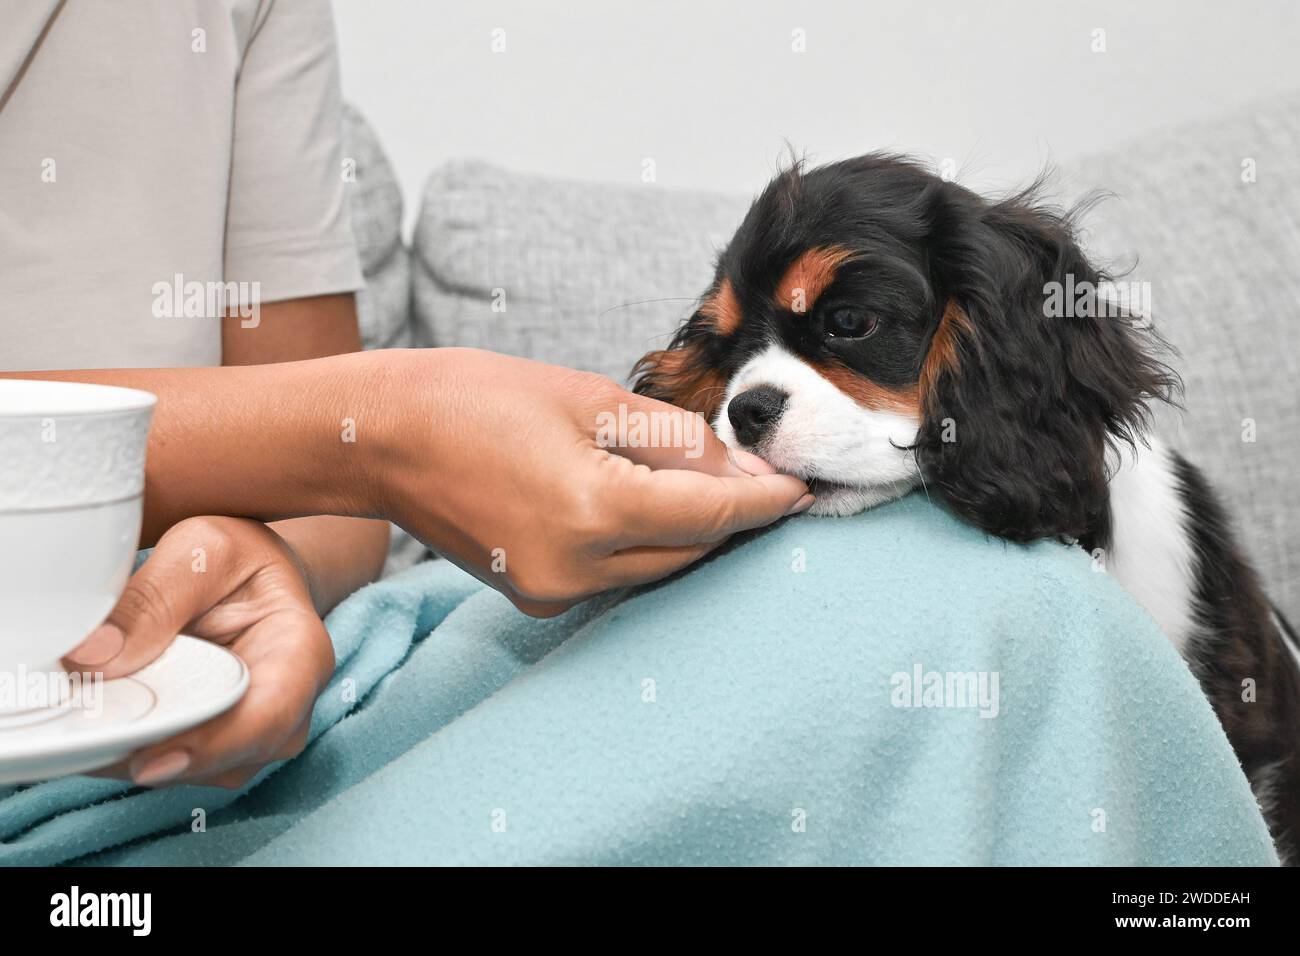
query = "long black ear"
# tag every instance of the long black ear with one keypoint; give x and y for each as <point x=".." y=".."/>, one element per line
<point x="1028" y="380"/>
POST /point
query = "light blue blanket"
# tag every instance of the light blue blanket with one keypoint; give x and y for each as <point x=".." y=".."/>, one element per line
<point x="893" y="688"/>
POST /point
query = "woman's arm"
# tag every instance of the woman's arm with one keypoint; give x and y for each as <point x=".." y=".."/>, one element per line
<point x="338" y="555"/>
<point x="260" y="440"/>
<point x="256" y="441"/>
<point x="251" y="439"/>
<point x="264" y="590"/>
<point x="498" y="463"/>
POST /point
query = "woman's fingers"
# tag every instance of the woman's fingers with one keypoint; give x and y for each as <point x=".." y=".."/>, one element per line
<point x="289" y="659"/>
<point x="649" y="523"/>
<point x="191" y="771"/>
<point x="239" y="777"/>
<point x="672" y="508"/>
<point x="643" y="565"/>
<point x="172" y="588"/>
<point x="694" y="489"/>
<point x="653" y="433"/>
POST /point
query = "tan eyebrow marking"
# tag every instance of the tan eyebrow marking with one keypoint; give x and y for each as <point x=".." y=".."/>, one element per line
<point x="808" y="277"/>
<point x="722" y="308"/>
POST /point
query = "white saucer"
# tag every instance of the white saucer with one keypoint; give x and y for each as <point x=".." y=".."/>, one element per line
<point x="191" y="682"/>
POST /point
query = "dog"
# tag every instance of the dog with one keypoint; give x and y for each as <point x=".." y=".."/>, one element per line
<point x="873" y="327"/>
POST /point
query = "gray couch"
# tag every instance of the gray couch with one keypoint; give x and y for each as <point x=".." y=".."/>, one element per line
<point x="592" y="276"/>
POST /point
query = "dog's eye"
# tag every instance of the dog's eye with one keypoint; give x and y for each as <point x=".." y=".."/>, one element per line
<point x="848" y="323"/>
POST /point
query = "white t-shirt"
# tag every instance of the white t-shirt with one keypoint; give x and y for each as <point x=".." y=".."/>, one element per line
<point x="159" y="147"/>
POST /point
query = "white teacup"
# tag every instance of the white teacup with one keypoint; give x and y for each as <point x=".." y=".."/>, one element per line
<point x="71" y="493"/>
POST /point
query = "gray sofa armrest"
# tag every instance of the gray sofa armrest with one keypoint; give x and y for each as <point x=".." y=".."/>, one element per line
<point x="1209" y="215"/>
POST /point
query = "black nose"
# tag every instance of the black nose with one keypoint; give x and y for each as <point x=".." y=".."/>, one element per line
<point x="754" y="411"/>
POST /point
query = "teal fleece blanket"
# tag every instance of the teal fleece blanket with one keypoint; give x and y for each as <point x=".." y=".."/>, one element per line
<point x="894" y="688"/>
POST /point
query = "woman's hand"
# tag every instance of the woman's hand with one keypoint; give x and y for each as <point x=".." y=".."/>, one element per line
<point x="552" y="485"/>
<point x="235" y="582"/>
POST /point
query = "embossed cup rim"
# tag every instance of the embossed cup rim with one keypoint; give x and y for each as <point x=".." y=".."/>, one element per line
<point x="66" y="444"/>
<point x="37" y="398"/>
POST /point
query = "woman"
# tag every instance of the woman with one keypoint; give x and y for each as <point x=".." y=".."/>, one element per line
<point x="197" y="145"/>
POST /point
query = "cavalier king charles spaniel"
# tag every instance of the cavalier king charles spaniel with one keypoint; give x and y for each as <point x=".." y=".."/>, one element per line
<point x="872" y="328"/>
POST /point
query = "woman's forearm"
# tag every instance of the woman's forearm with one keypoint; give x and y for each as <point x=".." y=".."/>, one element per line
<point x="338" y="555"/>
<point x="258" y="441"/>
<point x="503" y="465"/>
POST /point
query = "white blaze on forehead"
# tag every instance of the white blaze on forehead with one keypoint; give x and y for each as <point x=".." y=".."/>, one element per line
<point x="822" y="433"/>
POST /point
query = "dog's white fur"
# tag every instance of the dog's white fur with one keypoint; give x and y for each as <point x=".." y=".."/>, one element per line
<point x="825" y="434"/>
<point x="863" y="453"/>
<point x="1151" y="550"/>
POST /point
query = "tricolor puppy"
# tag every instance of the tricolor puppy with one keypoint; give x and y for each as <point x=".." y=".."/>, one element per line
<point x="872" y="327"/>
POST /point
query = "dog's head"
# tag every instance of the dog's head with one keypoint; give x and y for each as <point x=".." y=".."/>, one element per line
<point x="871" y="325"/>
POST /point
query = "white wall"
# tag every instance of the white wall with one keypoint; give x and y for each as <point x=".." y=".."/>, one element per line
<point x="712" y="90"/>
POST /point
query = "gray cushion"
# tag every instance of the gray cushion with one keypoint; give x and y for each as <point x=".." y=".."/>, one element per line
<point x="384" y="305"/>
<point x="375" y="205"/>
<point x="1223" y="260"/>
<point x="570" y="258"/>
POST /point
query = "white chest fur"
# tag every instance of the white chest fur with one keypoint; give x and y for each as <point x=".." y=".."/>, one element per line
<point x="1151" y="553"/>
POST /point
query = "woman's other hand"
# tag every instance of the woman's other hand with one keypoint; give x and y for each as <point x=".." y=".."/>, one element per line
<point x="235" y="582"/>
